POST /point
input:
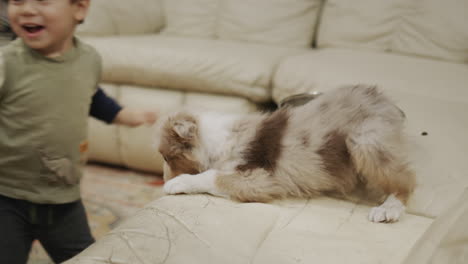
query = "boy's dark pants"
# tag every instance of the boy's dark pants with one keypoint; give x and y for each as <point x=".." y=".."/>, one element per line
<point x="62" y="229"/>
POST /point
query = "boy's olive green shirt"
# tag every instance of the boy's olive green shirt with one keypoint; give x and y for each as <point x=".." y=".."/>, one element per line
<point x="44" y="107"/>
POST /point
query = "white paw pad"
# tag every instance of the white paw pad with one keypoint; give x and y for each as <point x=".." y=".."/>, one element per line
<point x="389" y="211"/>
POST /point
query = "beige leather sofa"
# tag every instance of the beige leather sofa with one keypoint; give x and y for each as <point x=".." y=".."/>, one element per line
<point x="234" y="55"/>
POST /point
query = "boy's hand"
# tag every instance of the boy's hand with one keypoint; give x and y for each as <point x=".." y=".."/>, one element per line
<point x="135" y="117"/>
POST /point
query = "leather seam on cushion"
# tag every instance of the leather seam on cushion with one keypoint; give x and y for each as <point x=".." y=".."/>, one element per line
<point x="119" y="141"/>
<point x="296" y="214"/>
<point x="318" y="20"/>
<point x="162" y="5"/>
<point x="396" y="31"/>
<point x="115" y="26"/>
<point x="264" y="238"/>
<point x="217" y="19"/>
<point x="126" y="241"/>
<point x="184" y="98"/>
<point x="115" y="30"/>
<point x="179" y="221"/>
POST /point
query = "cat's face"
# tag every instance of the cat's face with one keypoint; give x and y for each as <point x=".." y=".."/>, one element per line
<point x="177" y="144"/>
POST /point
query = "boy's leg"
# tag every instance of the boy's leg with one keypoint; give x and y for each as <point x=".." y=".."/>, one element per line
<point x="15" y="230"/>
<point x="65" y="231"/>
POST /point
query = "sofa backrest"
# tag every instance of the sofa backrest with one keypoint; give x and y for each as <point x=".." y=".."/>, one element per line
<point x="122" y="17"/>
<point x="428" y="28"/>
<point x="190" y="18"/>
<point x="279" y="22"/>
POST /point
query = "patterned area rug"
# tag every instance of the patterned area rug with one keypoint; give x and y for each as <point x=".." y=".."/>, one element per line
<point x="109" y="195"/>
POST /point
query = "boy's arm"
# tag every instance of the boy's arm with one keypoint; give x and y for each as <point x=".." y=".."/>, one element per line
<point x="108" y="110"/>
<point x="104" y="107"/>
<point x="135" y="117"/>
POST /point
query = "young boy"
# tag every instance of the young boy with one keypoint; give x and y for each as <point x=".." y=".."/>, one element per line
<point x="47" y="89"/>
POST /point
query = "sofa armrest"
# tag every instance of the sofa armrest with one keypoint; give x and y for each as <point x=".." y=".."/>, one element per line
<point x="179" y="229"/>
<point x="446" y="240"/>
<point x="122" y="17"/>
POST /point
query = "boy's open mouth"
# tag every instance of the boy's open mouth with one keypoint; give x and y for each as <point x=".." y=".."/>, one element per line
<point x="33" y="28"/>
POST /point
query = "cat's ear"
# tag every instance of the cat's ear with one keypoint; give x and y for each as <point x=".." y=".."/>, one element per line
<point x="185" y="126"/>
<point x="185" y="129"/>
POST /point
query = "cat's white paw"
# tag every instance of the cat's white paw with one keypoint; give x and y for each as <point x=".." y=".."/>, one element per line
<point x="382" y="214"/>
<point x="389" y="211"/>
<point x="190" y="184"/>
<point x="179" y="184"/>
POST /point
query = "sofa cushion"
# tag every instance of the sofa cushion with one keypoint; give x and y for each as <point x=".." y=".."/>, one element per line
<point x="433" y="95"/>
<point x="205" y="229"/>
<point x="104" y="19"/>
<point x="202" y="65"/>
<point x="191" y="18"/>
<point x="288" y="23"/>
<point x="429" y="28"/>
<point x="326" y="68"/>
